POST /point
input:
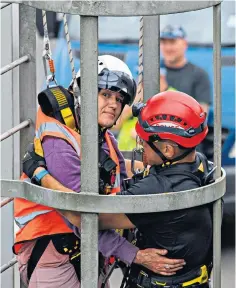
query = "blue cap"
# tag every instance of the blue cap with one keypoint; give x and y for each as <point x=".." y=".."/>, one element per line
<point x="173" y="32"/>
<point x="163" y="70"/>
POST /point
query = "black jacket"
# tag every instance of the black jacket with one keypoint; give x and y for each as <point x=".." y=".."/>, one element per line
<point x="184" y="233"/>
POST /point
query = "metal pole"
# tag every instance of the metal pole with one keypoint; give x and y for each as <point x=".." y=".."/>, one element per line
<point x="89" y="137"/>
<point x="12" y="1"/>
<point x="16" y="161"/>
<point x="6" y="201"/>
<point x="27" y="73"/>
<point x="15" y="129"/>
<point x="8" y="265"/>
<point x="217" y="143"/>
<point x="151" y="56"/>
<point x="14" y="64"/>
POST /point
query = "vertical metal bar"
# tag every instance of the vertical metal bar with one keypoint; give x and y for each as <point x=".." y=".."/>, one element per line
<point x="27" y="80"/>
<point x="217" y="143"/>
<point x="6" y="170"/>
<point x="89" y="137"/>
<point x="151" y="56"/>
<point x="16" y="119"/>
<point x="15" y="91"/>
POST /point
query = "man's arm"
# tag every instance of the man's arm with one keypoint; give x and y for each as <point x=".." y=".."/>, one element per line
<point x="120" y="221"/>
<point x="137" y="165"/>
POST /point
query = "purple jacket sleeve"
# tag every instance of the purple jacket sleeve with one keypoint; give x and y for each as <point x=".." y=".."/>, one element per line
<point x="63" y="164"/>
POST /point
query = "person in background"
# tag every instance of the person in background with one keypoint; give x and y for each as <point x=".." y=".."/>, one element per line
<point x="182" y="74"/>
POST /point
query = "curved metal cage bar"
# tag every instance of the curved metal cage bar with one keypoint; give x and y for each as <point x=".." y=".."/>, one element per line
<point x="121" y="8"/>
<point x="6" y="201"/>
<point x="94" y="203"/>
<point x="88" y="202"/>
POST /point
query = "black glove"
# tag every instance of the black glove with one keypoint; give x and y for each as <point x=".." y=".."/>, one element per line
<point x="32" y="161"/>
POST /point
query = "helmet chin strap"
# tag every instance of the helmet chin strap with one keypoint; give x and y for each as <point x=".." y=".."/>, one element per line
<point x="165" y="160"/>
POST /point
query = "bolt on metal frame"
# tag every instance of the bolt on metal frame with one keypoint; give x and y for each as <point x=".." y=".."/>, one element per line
<point x="88" y="201"/>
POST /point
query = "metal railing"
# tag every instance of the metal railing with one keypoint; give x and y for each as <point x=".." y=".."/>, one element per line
<point x="15" y="129"/>
<point x="5" y="5"/>
<point x="8" y="265"/>
<point x="14" y="64"/>
<point x="84" y="201"/>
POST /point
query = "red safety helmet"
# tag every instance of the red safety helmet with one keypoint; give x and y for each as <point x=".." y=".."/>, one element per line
<point x="171" y="115"/>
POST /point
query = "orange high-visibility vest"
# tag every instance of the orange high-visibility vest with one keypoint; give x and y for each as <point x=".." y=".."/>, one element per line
<point x="36" y="220"/>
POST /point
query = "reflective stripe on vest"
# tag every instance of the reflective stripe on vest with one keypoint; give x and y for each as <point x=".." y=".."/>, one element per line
<point x="51" y="127"/>
<point x="23" y="220"/>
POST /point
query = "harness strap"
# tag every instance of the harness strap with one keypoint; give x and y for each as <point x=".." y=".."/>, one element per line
<point x="57" y="102"/>
<point x="164" y="159"/>
<point x="197" y="277"/>
<point x="36" y="254"/>
<point x="63" y="243"/>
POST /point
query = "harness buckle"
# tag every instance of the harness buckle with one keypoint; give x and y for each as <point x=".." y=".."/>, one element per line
<point x="141" y="277"/>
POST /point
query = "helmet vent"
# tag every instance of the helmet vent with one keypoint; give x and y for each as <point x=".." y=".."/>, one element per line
<point x="166" y="117"/>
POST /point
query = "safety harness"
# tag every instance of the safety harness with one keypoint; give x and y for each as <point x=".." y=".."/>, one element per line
<point x="58" y="103"/>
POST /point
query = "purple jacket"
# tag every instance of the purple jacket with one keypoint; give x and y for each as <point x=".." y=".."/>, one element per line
<point x="63" y="164"/>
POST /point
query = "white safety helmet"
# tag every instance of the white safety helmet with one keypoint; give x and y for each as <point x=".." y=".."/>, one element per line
<point x="115" y="75"/>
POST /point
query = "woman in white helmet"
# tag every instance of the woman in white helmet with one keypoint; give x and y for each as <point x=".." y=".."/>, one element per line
<point x="113" y="75"/>
<point x="116" y="88"/>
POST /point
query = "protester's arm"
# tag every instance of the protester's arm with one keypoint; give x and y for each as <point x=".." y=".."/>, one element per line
<point x="148" y="185"/>
<point x="51" y="183"/>
<point x="64" y="165"/>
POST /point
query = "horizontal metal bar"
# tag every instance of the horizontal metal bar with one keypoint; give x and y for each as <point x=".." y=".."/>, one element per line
<point x="5" y="5"/>
<point x="6" y="201"/>
<point x="121" y="8"/>
<point x="14" y="64"/>
<point x="15" y="129"/>
<point x="93" y="203"/>
<point x="12" y="1"/>
<point x="8" y="265"/>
